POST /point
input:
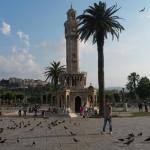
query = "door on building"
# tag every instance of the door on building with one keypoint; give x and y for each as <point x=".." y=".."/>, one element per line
<point x="44" y="99"/>
<point x="77" y="104"/>
<point x="60" y="103"/>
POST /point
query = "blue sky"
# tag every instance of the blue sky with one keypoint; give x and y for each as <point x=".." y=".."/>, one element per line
<point x="32" y="36"/>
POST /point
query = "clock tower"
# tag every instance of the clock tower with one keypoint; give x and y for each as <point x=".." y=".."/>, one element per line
<point x="72" y="92"/>
<point x="72" y="78"/>
<point x="72" y="52"/>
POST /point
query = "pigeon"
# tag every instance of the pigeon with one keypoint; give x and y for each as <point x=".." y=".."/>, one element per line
<point x="38" y="124"/>
<point x="56" y="121"/>
<point x="128" y="138"/>
<point x="142" y="10"/>
<point x="65" y="128"/>
<point x="3" y="141"/>
<point x="33" y="143"/>
<point x="73" y="134"/>
<point x="1" y="130"/>
<point x="53" y="124"/>
<point x="121" y="140"/>
<point x="129" y="142"/>
<point x="31" y="129"/>
<point x="18" y="140"/>
<point x="131" y="135"/>
<point x="148" y="139"/>
<point x="63" y="121"/>
<point x="59" y="122"/>
<point x="49" y="127"/>
<point x="140" y="134"/>
<point x="75" y="140"/>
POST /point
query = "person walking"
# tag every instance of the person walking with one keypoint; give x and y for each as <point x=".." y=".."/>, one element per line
<point x="19" y="112"/>
<point x="107" y="117"/>
<point x="81" y="111"/>
<point x="146" y="106"/>
<point x="140" y="105"/>
<point x="25" y="111"/>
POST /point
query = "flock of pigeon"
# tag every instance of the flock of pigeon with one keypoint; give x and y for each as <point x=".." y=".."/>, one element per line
<point x="30" y="126"/>
<point x="35" y="124"/>
<point x="130" y="138"/>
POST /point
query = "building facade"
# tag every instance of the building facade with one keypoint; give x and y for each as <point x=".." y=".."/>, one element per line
<point x="73" y="92"/>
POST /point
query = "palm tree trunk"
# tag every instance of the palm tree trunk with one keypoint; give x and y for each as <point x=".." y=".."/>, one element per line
<point x="100" y="44"/>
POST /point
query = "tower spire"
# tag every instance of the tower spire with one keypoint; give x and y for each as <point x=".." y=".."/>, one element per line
<point x="71" y="6"/>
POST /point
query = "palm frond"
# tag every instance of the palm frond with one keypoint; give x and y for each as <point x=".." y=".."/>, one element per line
<point x="53" y="72"/>
<point x="99" y="19"/>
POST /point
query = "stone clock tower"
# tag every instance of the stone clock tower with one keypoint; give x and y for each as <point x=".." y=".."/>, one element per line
<point x="72" y="93"/>
<point x="72" y="52"/>
<point x="73" y="78"/>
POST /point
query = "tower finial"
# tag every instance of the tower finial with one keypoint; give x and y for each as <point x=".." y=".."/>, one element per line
<point x="71" y="6"/>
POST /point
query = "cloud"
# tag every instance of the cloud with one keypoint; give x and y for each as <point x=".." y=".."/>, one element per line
<point x="24" y="37"/>
<point x="6" y="28"/>
<point x="54" y="51"/>
<point x="20" y="63"/>
<point x="88" y="61"/>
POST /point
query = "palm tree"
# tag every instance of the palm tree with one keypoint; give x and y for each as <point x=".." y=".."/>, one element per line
<point x="97" y="21"/>
<point x="53" y="73"/>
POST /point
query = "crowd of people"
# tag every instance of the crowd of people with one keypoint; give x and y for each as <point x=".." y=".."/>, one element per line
<point x="24" y="109"/>
<point x="87" y="111"/>
<point x="143" y="105"/>
<point x="35" y="109"/>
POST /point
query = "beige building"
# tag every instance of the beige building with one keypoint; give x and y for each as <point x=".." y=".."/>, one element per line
<point x="73" y="92"/>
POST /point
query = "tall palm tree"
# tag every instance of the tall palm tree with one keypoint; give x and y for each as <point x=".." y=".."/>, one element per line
<point x="53" y="73"/>
<point x="97" y="21"/>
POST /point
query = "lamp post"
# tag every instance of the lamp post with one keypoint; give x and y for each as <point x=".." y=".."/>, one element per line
<point x="123" y="98"/>
<point x="124" y="103"/>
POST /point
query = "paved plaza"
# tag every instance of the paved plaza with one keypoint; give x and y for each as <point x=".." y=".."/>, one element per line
<point x="64" y="133"/>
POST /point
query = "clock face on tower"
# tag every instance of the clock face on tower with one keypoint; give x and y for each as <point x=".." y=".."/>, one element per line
<point x="73" y="30"/>
<point x="70" y="31"/>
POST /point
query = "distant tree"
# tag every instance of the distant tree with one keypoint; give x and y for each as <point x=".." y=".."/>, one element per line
<point x="110" y="95"/>
<point x="98" y="21"/>
<point x="19" y="97"/>
<point x="133" y="80"/>
<point x="53" y="73"/>
<point x="143" y="89"/>
<point x="117" y="97"/>
<point x="7" y="97"/>
<point x="34" y="100"/>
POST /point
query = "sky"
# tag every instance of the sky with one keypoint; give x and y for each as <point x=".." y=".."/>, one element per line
<point x="32" y="36"/>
